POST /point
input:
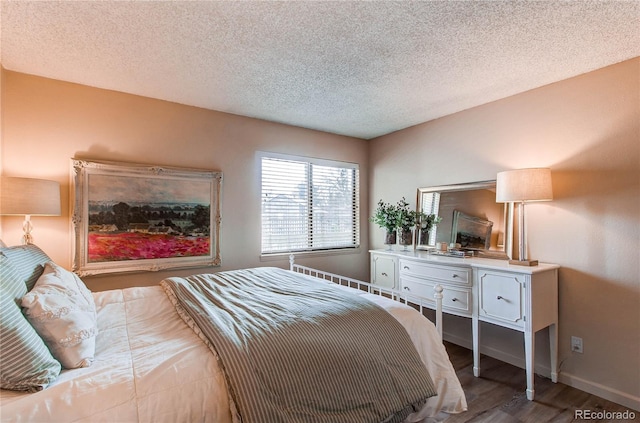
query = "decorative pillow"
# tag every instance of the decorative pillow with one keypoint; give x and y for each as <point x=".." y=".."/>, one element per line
<point x="28" y="260"/>
<point x="25" y="362"/>
<point x="62" y="311"/>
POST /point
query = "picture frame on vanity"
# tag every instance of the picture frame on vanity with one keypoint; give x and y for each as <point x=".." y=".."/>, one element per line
<point x="471" y="232"/>
<point x="135" y="217"/>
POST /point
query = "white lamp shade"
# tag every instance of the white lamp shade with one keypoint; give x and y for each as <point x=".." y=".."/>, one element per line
<point x="524" y="185"/>
<point x="28" y="196"/>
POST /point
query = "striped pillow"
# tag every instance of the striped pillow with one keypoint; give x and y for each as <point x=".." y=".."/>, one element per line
<point x="25" y="362"/>
<point x="28" y="260"/>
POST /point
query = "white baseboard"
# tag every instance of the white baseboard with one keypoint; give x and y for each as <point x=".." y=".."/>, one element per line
<point x="610" y="394"/>
<point x="514" y="360"/>
<point x="613" y="395"/>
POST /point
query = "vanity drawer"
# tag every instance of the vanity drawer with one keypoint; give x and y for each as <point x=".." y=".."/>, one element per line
<point x="448" y="274"/>
<point x="501" y="298"/>
<point x="456" y="300"/>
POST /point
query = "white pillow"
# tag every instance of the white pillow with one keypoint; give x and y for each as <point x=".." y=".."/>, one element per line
<point x="63" y="313"/>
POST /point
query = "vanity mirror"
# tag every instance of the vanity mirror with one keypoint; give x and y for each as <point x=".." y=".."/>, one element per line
<point x="470" y="217"/>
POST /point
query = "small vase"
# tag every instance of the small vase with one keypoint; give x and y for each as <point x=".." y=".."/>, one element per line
<point x="424" y="237"/>
<point x="390" y="239"/>
<point x="406" y="239"/>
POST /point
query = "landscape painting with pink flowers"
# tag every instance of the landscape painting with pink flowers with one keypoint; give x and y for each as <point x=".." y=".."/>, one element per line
<point x="154" y="217"/>
<point x="143" y="218"/>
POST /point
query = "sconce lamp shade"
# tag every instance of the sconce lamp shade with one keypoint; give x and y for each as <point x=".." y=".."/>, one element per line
<point x="29" y="197"/>
<point x="524" y="185"/>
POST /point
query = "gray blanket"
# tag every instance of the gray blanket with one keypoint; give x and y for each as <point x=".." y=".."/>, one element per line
<point x="297" y="350"/>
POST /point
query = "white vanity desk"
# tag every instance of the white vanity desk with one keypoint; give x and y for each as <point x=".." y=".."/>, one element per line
<point x="488" y="290"/>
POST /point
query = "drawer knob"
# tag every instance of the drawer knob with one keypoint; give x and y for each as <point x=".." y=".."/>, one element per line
<point x="500" y="297"/>
<point x="406" y="288"/>
<point x="454" y="299"/>
<point x="455" y="275"/>
<point x="406" y="267"/>
<point x="384" y="274"/>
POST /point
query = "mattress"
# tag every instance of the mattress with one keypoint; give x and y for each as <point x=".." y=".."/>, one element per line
<point x="151" y="367"/>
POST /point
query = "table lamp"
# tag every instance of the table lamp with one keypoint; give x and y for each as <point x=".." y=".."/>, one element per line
<point x="29" y="197"/>
<point x="523" y="186"/>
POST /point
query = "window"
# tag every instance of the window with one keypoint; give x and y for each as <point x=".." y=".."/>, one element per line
<point x="308" y="204"/>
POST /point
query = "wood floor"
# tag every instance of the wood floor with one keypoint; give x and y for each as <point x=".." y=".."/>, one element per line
<point x="498" y="396"/>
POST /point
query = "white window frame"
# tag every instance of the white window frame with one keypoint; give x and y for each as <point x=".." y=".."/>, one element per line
<point x="355" y="212"/>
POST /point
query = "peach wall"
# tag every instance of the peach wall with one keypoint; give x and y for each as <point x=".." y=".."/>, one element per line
<point x="587" y="130"/>
<point x="47" y="122"/>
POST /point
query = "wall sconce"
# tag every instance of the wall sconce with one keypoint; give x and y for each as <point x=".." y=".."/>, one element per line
<point x="523" y="186"/>
<point x="29" y="197"/>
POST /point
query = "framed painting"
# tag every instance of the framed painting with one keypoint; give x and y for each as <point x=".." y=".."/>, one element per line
<point x="471" y="232"/>
<point x="133" y="217"/>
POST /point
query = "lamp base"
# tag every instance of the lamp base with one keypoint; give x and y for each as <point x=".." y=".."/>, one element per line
<point x="27" y="227"/>
<point x="524" y="262"/>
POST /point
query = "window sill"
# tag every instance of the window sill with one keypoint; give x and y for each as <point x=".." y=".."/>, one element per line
<point x="320" y="253"/>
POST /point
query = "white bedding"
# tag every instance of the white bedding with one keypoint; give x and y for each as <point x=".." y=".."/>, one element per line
<point x="151" y="367"/>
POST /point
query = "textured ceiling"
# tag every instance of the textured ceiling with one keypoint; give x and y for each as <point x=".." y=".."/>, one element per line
<point x="355" y="68"/>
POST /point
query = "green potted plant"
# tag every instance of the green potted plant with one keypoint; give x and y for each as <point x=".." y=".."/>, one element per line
<point x="386" y="216"/>
<point x="407" y="220"/>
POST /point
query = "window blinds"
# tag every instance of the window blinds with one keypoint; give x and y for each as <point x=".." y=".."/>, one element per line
<point x="308" y="205"/>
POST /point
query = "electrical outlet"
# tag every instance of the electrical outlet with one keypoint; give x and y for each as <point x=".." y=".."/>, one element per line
<point x="576" y="344"/>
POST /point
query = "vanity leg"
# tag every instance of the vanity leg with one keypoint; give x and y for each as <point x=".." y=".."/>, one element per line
<point x="529" y="348"/>
<point x="475" y="328"/>
<point x="553" y="346"/>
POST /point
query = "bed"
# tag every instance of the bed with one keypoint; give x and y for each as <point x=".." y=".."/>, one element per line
<point x="153" y="362"/>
